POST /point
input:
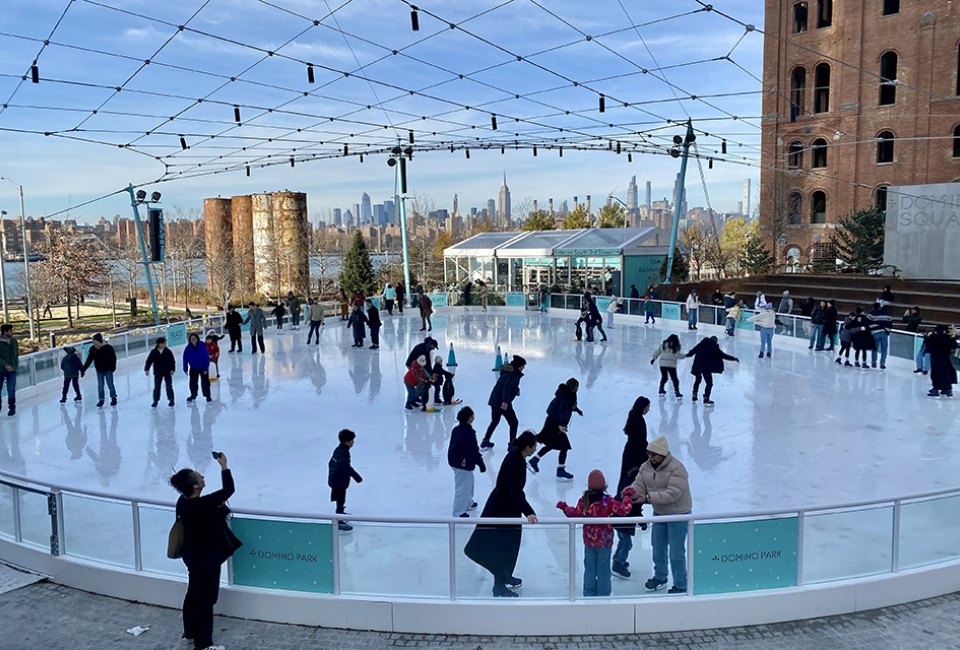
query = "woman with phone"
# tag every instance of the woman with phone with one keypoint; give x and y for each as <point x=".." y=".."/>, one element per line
<point x="207" y="543"/>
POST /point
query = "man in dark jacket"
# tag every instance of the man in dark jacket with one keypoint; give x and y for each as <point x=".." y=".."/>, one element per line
<point x="9" y="362"/>
<point x="164" y="364"/>
<point x="501" y="400"/>
<point x="943" y="375"/>
<point x="357" y="321"/>
<point x="339" y="473"/>
<point x="422" y="349"/>
<point x="880" y="325"/>
<point x="374" y="323"/>
<point x="234" y="323"/>
<point x="829" y="326"/>
<point x="707" y="359"/>
<point x="595" y="320"/>
<point x="463" y="456"/>
<point x="104" y="360"/>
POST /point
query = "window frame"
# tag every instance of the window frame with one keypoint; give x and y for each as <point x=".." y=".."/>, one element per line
<point x="888" y="85"/>
<point x="890" y="4"/>
<point x="795" y="155"/>
<point x="884" y="188"/>
<point x="824" y="14"/>
<point x="818" y="149"/>
<point x="798" y="93"/>
<point x="799" y="26"/>
<point x="795" y="197"/>
<point x="821" y="93"/>
<point x="956" y="141"/>
<point x="884" y="142"/>
<point x="813" y="207"/>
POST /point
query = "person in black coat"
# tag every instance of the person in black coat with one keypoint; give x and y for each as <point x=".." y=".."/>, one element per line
<point x="860" y="337"/>
<point x="943" y="375"/>
<point x="634" y="455"/>
<point x="421" y="350"/>
<point x="234" y="323"/>
<point x="374" y="323"/>
<point x="357" y="321"/>
<point x="279" y="312"/>
<point x="207" y="543"/>
<point x="595" y="320"/>
<point x="463" y="456"/>
<point x="501" y="399"/>
<point x="553" y="435"/>
<point x="829" y="326"/>
<point x="496" y="548"/>
<point x="707" y="359"/>
<point x="634" y="292"/>
<point x="442" y="381"/>
<point x="104" y="360"/>
<point x="339" y="473"/>
<point x="164" y="366"/>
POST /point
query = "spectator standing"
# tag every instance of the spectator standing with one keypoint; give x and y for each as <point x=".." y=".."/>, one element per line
<point x="880" y="325"/>
<point x="829" y="326"/>
<point x="816" y="326"/>
<point x="912" y="319"/>
<point x="9" y="362"/>
<point x="943" y="375"/>
<point x="717" y="297"/>
<point x="886" y="296"/>
<point x="104" y="360"/>
<point x="634" y="292"/>
<point x="374" y="323"/>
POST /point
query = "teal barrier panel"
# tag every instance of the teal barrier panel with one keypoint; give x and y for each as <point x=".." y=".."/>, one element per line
<point x="439" y="299"/>
<point x="745" y="555"/>
<point x="243" y="315"/>
<point x="742" y="324"/>
<point x="671" y="311"/>
<point x="602" y="304"/>
<point x="177" y="334"/>
<point x="283" y="555"/>
<point x="516" y="299"/>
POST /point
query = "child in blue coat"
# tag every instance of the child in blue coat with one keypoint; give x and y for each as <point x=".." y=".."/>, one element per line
<point x="71" y="365"/>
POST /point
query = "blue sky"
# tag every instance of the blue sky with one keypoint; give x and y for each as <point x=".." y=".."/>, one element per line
<point x="557" y="81"/>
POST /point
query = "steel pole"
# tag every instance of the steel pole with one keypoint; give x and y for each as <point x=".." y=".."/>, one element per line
<point x="678" y="200"/>
<point x="143" y="254"/>
<point x="3" y="274"/>
<point x="402" y="217"/>
<point x="26" y="265"/>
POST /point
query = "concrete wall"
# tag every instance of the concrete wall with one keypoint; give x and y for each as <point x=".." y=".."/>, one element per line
<point x="923" y="230"/>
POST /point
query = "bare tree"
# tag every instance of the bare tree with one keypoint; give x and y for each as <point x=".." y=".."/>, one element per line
<point x="696" y="244"/>
<point x="78" y="265"/>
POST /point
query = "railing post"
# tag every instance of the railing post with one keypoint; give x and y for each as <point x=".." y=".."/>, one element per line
<point x="17" y="529"/>
<point x="895" y="543"/>
<point x="335" y="528"/>
<point x="572" y="560"/>
<point x="33" y="372"/>
<point x="137" y="553"/>
<point x="690" y="557"/>
<point x="801" y="519"/>
<point x="452" y="558"/>
<point x="55" y="510"/>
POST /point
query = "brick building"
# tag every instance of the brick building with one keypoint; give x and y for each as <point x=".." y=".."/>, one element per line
<point x="858" y="95"/>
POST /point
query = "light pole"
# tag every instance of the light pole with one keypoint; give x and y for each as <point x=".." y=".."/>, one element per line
<point x="400" y="194"/>
<point x="3" y="276"/>
<point x="26" y="257"/>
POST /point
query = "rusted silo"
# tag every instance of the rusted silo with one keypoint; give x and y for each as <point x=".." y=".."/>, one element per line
<point x="241" y="210"/>
<point x="264" y="245"/>
<point x="218" y="242"/>
<point x="292" y="231"/>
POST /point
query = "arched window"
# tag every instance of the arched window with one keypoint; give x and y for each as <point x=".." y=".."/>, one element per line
<point x="821" y="88"/>
<point x="819" y="153"/>
<point x="885" y="147"/>
<point x="794" y="208"/>
<point x="824" y="13"/>
<point x="956" y="141"/>
<point x="799" y="17"/>
<point x="891" y="7"/>
<point x="798" y="92"/>
<point x="888" y="78"/>
<point x="818" y="207"/>
<point x="793" y="252"/>
<point x="880" y="198"/>
<point x="795" y="155"/>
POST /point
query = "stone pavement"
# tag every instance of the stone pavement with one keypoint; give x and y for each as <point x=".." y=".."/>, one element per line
<point x="45" y="615"/>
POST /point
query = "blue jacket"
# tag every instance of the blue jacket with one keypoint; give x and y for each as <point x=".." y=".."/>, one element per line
<point x="71" y="365"/>
<point x="196" y="357"/>
<point x="506" y="388"/>
<point x="464" y="452"/>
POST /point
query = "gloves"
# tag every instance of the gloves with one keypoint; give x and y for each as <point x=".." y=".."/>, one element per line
<point x="561" y="505"/>
<point x="629" y="492"/>
<point x="359" y="479"/>
<point x="483" y="468"/>
<point x="651" y="362"/>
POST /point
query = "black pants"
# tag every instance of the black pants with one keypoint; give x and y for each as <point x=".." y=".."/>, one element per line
<point x="844" y="349"/>
<point x="672" y="374"/>
<point x="235" y="340"/>
<point x="67" y="381"/>
<point x="164" y="379"/>
<point x="509" y="415"/>
<point x="389" y="306"/>
<point x="295" y="319"/>
<point x="203" y="589"/>
<point x="279" y="322"/>
<point x="195" y="375"/>
<point x="339" y="496"/>
<point x="375" y="336"/>
<point x="707" y="378"/>
<point x="256" y="337"/>
<point x="314" y="329"/>
<point x="562" y="460"/>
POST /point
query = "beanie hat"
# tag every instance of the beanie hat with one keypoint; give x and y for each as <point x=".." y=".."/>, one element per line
<point x="422" y="360"/>
<point x="98" y="337"/>
<point x="659" y="446"/>
<point x="518" y="361"/>
<point x="69" y="349"/>
<point x="596" y="481"/>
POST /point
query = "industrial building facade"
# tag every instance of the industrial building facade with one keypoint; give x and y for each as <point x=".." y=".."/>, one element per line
<point x="858" y="95"/>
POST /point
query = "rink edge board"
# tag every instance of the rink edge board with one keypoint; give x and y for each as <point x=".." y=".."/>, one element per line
<point x="507" y="618"/>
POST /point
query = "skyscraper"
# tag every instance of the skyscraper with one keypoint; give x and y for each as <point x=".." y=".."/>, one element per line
<point x="746" y="197"/>
<point x="356" y="214"/>
<point x="337" y="217"/>
<point x="389" y="209"/>
<point x="491" y="209"/>
<point x="366" y="211"/>
<point x="632" y="194"/>
<point x="503" y="216"/>
<point x="456" y="205"/>
<point x="649" y="198"/>
<point x="348" y="218"/>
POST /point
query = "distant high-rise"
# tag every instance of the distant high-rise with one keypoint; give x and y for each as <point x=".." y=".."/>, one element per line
<point x="491" y="209"/>
<point x="649" y="198"/>
<point x="746" y="197"/>
<point x="632" y="194"/>
<point x="739" y="207"/>
<point x="456" y="205"/>
<point x="348" y="218"/>
<point x="337" y="217"/>
<point x="503" y="215"/>
<point x="366" y="212"/>
<point x="379" y="216"/>
<point x="356" y="214"/>
<point x="550" y="207"/>
<point x="389" y="208"/>
<point x="681" y="199"/>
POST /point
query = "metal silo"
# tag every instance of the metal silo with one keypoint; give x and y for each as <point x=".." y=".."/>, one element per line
<point x="241" y="210"/>
<point x="292" y="231"/>
<point x="218" y="243"/>
<point x="264" y="246"/>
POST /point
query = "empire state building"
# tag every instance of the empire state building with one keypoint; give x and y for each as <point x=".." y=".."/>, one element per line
<point x="503" y="215"/>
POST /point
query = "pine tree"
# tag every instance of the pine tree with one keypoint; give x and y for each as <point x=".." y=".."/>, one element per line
<point x="858" y="239"/>
<point x="612" y="216"/>
<point x="577" y="219"/>
<point x="756" y="257"/>
<point x="357" y="267"/>
<point x="539" y="220"/>
<point x="681" y="267"/>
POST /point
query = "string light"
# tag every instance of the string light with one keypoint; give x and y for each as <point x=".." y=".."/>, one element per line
<point x="414" y="19"/>
<point x="35" y="73"/>
<point x="310" y="77"/>
<point x="236" y="114"/>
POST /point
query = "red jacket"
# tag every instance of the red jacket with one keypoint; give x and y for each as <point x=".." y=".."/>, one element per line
<point x="213" y="348"/>
<point x="416" y="375"/>
<point x="598" y="535"/>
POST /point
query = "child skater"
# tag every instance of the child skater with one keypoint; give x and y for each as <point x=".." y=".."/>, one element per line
<point x="71" y="366"/>
<point x="443" y="379"/>
<point x="553" y="435"/>
<point x="668" y="353"/>
<point x="213" y="348"/>
<point x="339" y="473"/>
<point x="648" y="316"/>
<point x="463" y="456"/>
<point x="417" y="381"/>
<point x="597" y="538"/>
<point x="357" y="321"/>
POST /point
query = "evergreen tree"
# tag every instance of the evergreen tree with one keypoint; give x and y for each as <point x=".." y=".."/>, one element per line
<point x="858" y="239"/>
<point x="577" y="219"/>
<point x="357" y="268"/>
<point x="756" y="257"/>
<point x="539" y="220"/>
<point x="612" y="216"/>
<point x="681" y="267"/>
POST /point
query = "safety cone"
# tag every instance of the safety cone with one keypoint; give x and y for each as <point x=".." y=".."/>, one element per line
<point x="506" y="359"/>
<point x="452" y="360"/>
<point x="498" y="362"/>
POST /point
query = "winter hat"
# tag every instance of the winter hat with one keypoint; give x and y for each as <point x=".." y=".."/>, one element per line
<point x="210" y="333"/>
<point x="596" y="481"/>
<point x="769" y="305"/>
<point x="422" y="360"/>
<point x="659" y="446"/>
<point x="98" y="337"/>
<point x="69" y="349"/>
<point x="518" y="361"/>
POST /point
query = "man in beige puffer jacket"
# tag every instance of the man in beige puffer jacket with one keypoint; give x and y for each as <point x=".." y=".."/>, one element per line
<point x="663" y="482"/>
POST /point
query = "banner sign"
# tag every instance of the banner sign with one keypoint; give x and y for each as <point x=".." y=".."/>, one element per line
<point x="602" y="304"/>
<point x="671" y="311"/>
<point x="745" y="555"/>
<point x="243" y="314"/>
<point x="743" y="324"/>
<point x="176" y="334"/>
<point x="439" y="299"/>
<point x="283" y="555"/>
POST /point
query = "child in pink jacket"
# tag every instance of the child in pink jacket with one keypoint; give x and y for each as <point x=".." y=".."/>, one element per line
<point x="597" y="538"/>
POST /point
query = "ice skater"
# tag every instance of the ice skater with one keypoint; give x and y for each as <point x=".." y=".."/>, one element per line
<point x="389" y="297"/>
<point x="668" y="353"/>
<point x="597" y="538"/>
<point x="196" y="364"/>
<point x="315" y="315"/>
<point x="257" y="320"/>
<point x="164" y="366"/>
<point x="339" y="472"/>
<point x="501" y="400"/>
<point x="860" y="337"/>
<point x="234" y="325"/>
<point x="423" y="349"/>
<point x="417" y="382"/>
<point x="846" y="340"/>
<point x="733" y="317"/>
<point x="344" y="301"/>
<point x="648" y="317"/>
<point x="103" y="358"/>
<point x="294" y="307"/>
<point x="693" y="310"/>
<point x="426" y="310"/>
<point x="357" y="321"/>
<point x="71" y="364"/>
<point x="374" y="323"/>
<point x="463" y="456"/>
<point x="594" y="321"/>
<point x="634" y="455"/>
<point x="708" y="360"/>
<point x="766" y="319"/>
<point x="212" y="342"/>
<point x="553" y="435"/>
<point x="612" y="309"/>
<point x="278" y="312"/>
<point x="443" y="381"/>
<point x="940" y="344"/>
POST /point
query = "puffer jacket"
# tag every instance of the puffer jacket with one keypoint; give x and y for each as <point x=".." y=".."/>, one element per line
<point x="667" y="487"/>
<point x="598" y="535"/>
<point x="506" y="388"/>
<point x="196" y="357"/>
<point x="734" y="313"/>
<point x="766" y="319"/>
<point x="668" y="358"/>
